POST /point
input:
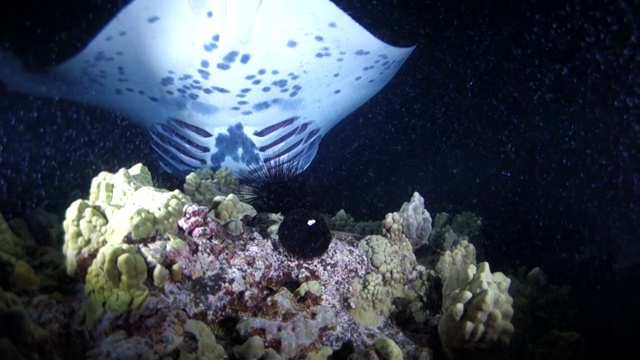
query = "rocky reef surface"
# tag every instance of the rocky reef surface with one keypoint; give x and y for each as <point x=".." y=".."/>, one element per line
<point x="148" y="273"/>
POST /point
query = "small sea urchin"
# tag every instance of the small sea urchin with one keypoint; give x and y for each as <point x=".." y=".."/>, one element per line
<point x="304" y="234"/>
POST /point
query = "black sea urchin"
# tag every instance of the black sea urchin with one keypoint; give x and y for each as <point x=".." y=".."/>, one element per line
<point x="279" y="187"/>
<point x="304" y="234"/>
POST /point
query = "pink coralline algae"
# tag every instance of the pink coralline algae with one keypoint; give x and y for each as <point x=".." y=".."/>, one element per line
<point x="196" y="222"/>
<point x="236" y="274"/>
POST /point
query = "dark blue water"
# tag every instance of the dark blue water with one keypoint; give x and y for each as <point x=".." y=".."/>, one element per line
<point x="527" y="114"/>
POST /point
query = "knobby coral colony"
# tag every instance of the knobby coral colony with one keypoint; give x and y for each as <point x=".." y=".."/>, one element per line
<point x="279" y="186"/>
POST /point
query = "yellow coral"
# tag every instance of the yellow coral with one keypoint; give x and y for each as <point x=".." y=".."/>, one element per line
<point x="114" y="281"/>
<point x="477" y="308"/>
<point x="207" y="346"/>
<point x="388" y="349"/>
<point x="390" y="258"/>
<point x="119" y="205"/>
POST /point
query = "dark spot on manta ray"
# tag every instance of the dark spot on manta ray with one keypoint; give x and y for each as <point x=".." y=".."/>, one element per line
<point x="242" y="102"/>
<point x="319" y="38"/>
<point x="209" y="14"/>
<point x="215" y="37"/>
<point x="262" y="72"/>
<point x="245" y="58"/>
<point x="235" y="108"/>
<point x="266" y="89"/>
<point x="169" y="92"/>
<point x="275" y="72"/>
<point x="108" y="38"/>
<point x="223" y="66"/>
<point x="118" y="91"/>
<point x="337" y="91"/>
<point x="296" y="87"/>
<point x="153" y="19"/>
<point x="193" y="96"/>
<point x="332" y="25"/>
<point x="245" y="90"/>
<point x="220" y="89"/>
<point x="358" y="78"/>
<point x="228" y="146"/>
<point x="362" y="52"/>
<point x="204" y="63"/>
<point x="367" y="68"/>
<point x="230" y="57"/>
<point x="167" y="80"/>
<point x="122" y="33"/>
<point x="256" y="82"/>
<point x="319" y="55"/>
<point x="246" y="113"/>
<point x="280" y="83"/>
<point x="141" y="92"/>
<point x="292" y="44"/>
<point x="263" y="105"/>
<point x="182" y="91"/>
<point x="336" y="75"/>
<point x="241" y="96"/>
<point x="207" y="91"/>
<point x="129" y="89"/>
<point x="250" y="77"/>
<point x="293" y="94"/>
<point x="154" y="99"/>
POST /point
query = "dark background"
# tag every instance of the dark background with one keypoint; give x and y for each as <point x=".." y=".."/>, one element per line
<point x="524" y="112"/>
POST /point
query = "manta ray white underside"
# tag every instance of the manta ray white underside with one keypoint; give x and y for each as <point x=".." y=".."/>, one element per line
<point x="219" y="83"/>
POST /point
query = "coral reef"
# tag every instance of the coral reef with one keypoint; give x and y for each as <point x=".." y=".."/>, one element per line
<point x="160" y="277"/>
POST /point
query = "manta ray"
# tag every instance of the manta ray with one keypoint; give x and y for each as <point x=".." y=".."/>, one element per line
<point x="235" y="84"/>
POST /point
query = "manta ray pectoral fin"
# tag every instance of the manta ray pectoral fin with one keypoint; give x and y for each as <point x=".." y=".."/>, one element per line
<point x="16" y="78"/>
<point x="226" y="83"/>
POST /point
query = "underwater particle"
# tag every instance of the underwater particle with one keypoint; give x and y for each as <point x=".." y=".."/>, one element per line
<point x="304" y="234"/>
<point x="279" y="187"/>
